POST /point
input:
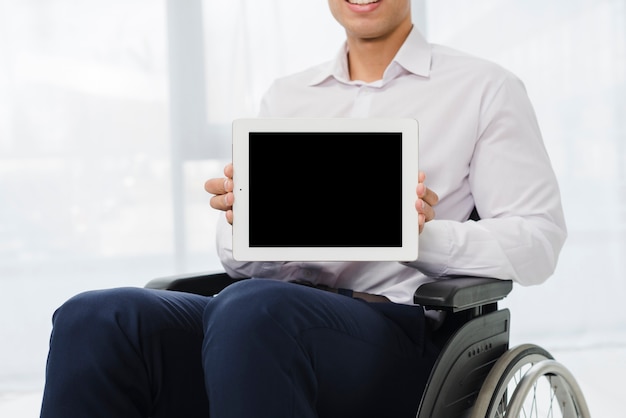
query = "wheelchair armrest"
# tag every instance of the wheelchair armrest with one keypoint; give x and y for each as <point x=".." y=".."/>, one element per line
<point x="459" y="293"/>
<point x="207" y="284"/>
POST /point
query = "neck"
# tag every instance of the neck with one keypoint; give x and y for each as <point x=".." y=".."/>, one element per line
<point x="369" y="58"/>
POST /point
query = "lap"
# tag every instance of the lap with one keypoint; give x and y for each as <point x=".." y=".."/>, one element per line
<point x="301" y="308"/>
<point x="369" y="359"/>
<point x="297" y="306"/>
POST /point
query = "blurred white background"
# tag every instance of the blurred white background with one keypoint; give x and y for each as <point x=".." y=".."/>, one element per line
<point x="113" y="113"/>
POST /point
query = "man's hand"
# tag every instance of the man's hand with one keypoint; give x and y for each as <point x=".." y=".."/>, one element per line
<point x="222" y="189"/>
<point x="426" y="199"/>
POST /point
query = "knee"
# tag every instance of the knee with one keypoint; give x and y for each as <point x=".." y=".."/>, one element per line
<point x="95" y="311"/>
<point x="254" y="295"/>
<point x="251" y="304"/>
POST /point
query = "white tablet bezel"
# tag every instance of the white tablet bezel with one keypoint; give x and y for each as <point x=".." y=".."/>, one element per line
<point x="241" y="249"/>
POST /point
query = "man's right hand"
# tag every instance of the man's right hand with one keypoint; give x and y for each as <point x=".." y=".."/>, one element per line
<point x="222" y="191"/>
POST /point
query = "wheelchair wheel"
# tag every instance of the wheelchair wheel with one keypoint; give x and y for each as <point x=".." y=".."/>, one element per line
<point x="527" y="382"/>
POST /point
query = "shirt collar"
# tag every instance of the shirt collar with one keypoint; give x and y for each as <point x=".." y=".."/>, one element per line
<point x="414" y="57"/>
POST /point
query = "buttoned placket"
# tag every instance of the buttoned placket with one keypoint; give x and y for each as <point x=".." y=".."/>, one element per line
<point x="362" y="101"/>
<point x="362" y="107"/>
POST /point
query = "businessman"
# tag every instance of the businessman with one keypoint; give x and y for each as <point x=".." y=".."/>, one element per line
<point x="266" y="347"/>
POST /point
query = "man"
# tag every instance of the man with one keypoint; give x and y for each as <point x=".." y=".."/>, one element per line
<point x="269" y="348"/>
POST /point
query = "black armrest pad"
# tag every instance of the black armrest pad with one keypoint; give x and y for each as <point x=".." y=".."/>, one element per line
<point x="461" y="293"/>
<point x="206" y="284"/>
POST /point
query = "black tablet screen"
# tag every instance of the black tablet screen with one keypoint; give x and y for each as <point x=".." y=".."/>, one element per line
<point x="325" y="189"/>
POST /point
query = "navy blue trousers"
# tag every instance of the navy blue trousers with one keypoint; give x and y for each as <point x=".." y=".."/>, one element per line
<point x="261" y="348"/>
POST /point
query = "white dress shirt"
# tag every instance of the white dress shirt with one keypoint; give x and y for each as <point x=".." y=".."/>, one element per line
<point x="480" y="146"/>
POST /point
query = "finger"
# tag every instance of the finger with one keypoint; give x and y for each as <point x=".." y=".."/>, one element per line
<point x="228" y="170"/>
<point x="218" y="186"/>
<point x="430" y="197"/>
<point x="423" y="208"/>
<point x="223" y="201"/>
<point x="426" y="199"/>
<point x="427" y="195"/>
<point x="215" y="186"/>
<point x="429" y="213"/>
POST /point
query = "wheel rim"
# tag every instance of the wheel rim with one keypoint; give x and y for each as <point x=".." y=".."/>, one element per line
<point x="504" y="377"/>
<point x="527" y="383"/>
<point x="548" y="390"/>
<point x="511" y="383"/>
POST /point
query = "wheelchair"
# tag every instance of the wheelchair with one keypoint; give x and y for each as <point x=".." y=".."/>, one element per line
<point x="476" y="375"/>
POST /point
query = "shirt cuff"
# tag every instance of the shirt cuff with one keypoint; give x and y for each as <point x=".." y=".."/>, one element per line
<point x="434" y="249"/>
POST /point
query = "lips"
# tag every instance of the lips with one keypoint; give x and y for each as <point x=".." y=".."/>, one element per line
<point x="363" y="5"/>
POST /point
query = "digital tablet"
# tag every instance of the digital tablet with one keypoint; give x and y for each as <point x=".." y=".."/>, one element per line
<point x="325" y="189"/>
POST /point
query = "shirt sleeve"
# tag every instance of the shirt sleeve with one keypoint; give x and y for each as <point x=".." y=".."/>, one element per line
<point x="515" y="191"/>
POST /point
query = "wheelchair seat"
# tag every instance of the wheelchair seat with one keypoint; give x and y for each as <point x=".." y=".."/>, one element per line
<point x="476" y="374"/>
